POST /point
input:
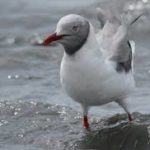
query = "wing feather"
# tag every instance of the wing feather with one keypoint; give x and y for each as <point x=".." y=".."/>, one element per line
<point x="114" y="42"/>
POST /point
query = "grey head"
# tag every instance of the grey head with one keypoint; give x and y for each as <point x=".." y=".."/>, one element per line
<point x="72" y="32"/>
<point x="75" y="30"/>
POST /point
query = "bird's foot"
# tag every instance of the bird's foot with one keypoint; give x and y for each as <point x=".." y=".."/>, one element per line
<point x="130" y="118"/>
<point x="85" y="122"/>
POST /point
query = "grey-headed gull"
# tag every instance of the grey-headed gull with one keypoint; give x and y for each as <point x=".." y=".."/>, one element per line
<point x="96" y="67"/>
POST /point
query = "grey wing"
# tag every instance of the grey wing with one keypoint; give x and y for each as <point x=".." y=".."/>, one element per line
<point x="114" y="42"/>
<point x="125" y="64"/>
<point x="121" y="50"/>
<point x="102" y="16"/>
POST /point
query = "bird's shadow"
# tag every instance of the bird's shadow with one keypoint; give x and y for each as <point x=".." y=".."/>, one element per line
<point x="117" y="136"/>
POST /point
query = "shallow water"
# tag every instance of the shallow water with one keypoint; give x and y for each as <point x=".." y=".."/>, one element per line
<point x="38" y="125"/>
<point x="35" y="113"/>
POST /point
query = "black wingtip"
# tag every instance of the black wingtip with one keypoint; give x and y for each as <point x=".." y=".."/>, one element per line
<point x="136" y="19"/>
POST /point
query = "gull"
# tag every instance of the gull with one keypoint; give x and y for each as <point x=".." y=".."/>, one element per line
<point x="96" y="68"/>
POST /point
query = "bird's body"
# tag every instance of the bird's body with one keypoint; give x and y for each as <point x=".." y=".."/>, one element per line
<point x="96" y="68"/>
<point x="92" y="80"/>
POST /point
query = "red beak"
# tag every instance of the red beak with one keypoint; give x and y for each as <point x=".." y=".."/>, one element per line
<point x="51" y="39"/>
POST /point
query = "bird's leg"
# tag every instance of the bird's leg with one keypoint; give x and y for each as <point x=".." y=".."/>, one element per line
<point x="85" y="122"/>
<point x="124" y="106"/>
<point x="85" y="118"/>
<point x="130" y="117"/>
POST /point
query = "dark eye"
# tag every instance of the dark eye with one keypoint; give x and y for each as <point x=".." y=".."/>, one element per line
<point x="75" y="28"/>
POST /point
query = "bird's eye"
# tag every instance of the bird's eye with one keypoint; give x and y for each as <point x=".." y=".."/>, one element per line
<point x="75" y="28"/>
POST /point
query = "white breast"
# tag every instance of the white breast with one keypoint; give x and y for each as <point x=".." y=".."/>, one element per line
<point x="90" y="83"/>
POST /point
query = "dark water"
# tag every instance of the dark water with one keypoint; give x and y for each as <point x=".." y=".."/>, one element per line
<point x="35" y="113"/>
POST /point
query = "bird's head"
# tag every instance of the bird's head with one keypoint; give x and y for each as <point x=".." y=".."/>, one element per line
<point x="71" y="31"/>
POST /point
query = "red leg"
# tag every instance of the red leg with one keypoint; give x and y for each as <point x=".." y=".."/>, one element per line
<point x="130" y="117"/>
<point x="85" y="122"/>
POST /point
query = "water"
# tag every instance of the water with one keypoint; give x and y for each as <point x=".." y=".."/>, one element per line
<point x="35" y="113"/>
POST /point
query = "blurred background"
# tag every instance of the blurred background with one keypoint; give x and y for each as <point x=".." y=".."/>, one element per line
<point x="35" y="113"/>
